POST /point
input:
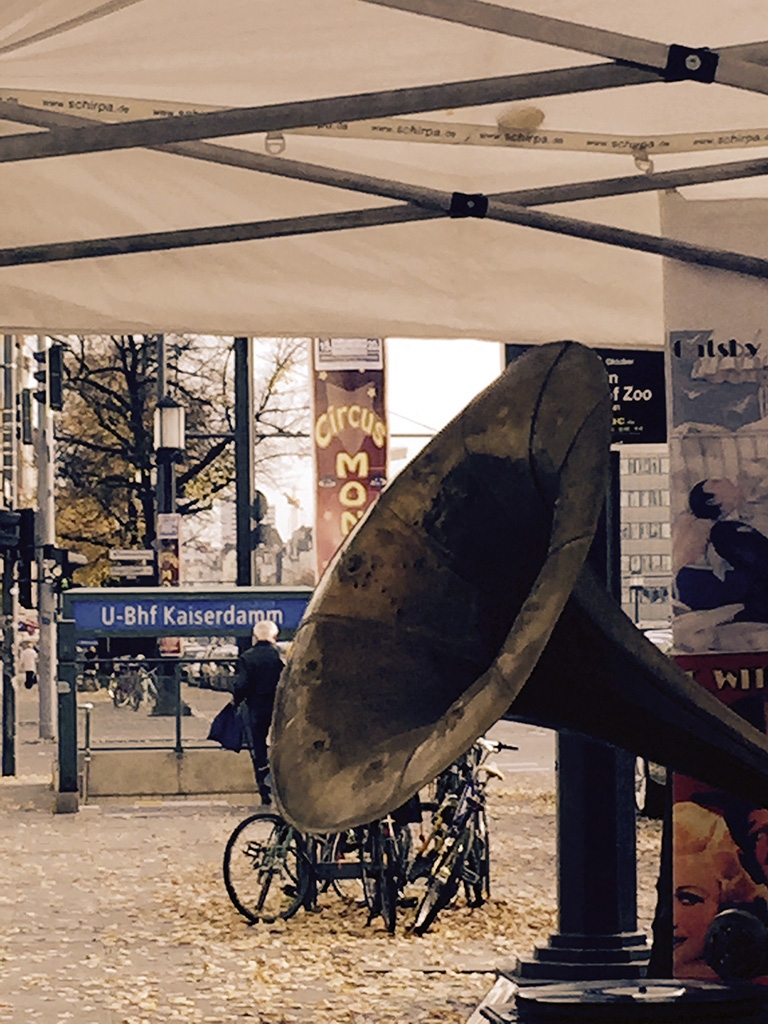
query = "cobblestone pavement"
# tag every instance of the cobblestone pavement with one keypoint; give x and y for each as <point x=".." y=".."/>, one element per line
<point x="118" y="915"/>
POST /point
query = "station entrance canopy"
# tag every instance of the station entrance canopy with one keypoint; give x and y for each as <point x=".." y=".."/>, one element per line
<point x="317" y="167"/>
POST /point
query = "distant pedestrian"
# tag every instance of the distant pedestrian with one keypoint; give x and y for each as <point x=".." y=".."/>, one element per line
<point x="28" y="664"/>
<point x="258" y="671"/>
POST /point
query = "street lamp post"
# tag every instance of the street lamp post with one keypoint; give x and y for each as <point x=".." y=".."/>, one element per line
<point x="169" y="449"/>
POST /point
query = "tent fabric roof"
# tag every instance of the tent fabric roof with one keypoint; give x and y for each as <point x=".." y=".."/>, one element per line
<point x="125" y="60"/>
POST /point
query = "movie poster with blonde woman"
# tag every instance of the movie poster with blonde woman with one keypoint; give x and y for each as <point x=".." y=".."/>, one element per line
<point x="717" y="373"/>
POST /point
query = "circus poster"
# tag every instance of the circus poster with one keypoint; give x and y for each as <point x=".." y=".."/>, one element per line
<point x="350" y="436"/>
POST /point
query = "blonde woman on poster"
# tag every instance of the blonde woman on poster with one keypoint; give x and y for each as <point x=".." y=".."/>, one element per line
<point x="708" y="877"/>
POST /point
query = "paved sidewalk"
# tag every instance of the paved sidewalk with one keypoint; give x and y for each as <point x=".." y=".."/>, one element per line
<point x="118" y="915"/>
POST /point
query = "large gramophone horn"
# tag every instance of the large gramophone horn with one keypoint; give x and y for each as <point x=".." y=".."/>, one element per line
<point x="451" y="601"/>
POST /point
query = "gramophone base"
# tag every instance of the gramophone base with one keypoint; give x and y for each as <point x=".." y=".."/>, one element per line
<point x="586" y="957"/>
<point x="624" y="1001"/>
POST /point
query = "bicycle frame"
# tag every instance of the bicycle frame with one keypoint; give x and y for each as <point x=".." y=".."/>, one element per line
<point x="456" y="849"/>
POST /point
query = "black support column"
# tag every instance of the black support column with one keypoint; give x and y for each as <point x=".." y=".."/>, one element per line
<point x="596" y="843"/>
<point x="244" y="460"/>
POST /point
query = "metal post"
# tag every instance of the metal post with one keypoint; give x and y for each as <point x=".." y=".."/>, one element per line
<point x="8" y="500"/>
<point x="165" y="492"/>
<point x="179" y="706"/>
<point x="67" y="796"/>
<point x="597" y="858"/>
<point x="9" y="693"/>
<point x="9" y="421"/>
<point x="88" y="708"/>
<point x="244" y="469"/>
<point x="168" y="699"/>
<point x="45" y="530"/>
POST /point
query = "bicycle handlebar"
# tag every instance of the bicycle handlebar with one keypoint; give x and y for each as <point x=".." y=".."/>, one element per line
<point x="494" y="746"/>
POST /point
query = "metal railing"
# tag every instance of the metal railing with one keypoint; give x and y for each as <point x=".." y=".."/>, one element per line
<point x="153" y="687"/>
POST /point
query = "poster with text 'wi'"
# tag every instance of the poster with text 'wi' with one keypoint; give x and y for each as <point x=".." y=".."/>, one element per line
<point x="717" y="380"/>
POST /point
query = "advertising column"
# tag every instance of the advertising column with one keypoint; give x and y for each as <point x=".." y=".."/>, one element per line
<point x="350" y="436"/>
<point x="717" y="358"/>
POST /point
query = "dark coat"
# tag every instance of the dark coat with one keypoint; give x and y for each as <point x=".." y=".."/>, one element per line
<point x="258" y="670"/>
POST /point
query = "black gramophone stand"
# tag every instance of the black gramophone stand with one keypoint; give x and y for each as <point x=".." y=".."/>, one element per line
<point x="597" y="870"/>
<point x="596" y="844"/>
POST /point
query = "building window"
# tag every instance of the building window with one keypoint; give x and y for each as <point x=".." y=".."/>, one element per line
<point x="652" y="465"/>
<point x="653" y="498"/>
<point x="660" y="530"/>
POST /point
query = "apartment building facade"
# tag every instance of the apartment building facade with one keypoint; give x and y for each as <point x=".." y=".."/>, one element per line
<point x="646" y="542"/>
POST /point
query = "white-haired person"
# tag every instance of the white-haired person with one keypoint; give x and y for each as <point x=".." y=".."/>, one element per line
<point x="258" y="671"/>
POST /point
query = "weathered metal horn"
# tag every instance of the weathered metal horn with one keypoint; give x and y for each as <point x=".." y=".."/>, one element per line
<point x="450" y="602"/>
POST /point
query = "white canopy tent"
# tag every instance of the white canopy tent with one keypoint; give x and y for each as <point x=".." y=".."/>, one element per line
<point x="241" y="248"/>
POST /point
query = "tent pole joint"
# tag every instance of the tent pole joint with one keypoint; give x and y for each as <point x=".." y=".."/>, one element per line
<point x="686" y="62"/>
<point x="468" y="205"/>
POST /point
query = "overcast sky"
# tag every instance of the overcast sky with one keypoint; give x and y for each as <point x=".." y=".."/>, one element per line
<point x="428" y="382"/>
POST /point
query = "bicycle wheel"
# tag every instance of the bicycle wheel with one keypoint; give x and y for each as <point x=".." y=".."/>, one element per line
<point x="388" y="879"/>
<point x="345" y="867"/>
<point x="442" y="885"/>
<point x="119" y="697"/>
<point x="369" y="859"/>
<point x="404" y="841"/>
<point x="266" y="871"/>
<point x="476" y="871"/>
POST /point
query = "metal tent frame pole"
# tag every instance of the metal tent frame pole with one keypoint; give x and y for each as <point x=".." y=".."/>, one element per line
<point x="280" y="166"/>
<point x="425" y="203"/>
<point x="649" y="62"/>
<point x="152" y="132"/>
<point x="730" y="70"/>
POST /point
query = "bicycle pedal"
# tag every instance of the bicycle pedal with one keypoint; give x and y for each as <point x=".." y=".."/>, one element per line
<point x="470" y="877"/>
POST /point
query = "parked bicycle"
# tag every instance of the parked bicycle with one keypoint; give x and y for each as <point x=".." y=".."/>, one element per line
<point x="457" y="850"/>
<point x="271" y="869"/>
<point x="267" y="868"/>
<point x="370" y="864"/>
<point x="133" y="684"/>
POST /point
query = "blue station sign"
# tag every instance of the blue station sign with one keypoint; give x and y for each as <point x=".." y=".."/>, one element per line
<point x="177" y="611"/>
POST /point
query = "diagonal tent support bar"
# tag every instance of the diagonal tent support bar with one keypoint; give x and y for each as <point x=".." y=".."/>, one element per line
<point x="424" y="204"/>
<point x="572" y="36"/>
<point x="88" y="137"/>
<point x="97" y="138"/>
<point x="633" y="184"/>
<point x="544" y="195"/>
<point x="596" y="188"/>
<point x="186" y="238"/>
<point x="672" y="248"/>
<point x="537" y="28"/>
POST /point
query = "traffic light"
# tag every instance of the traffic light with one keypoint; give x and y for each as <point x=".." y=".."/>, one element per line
<point x="61" y="565"/>
<point x="41" y="376"/>
<point x="50" y="376"/>
<point x="26" y="556"/>
<point x="24" y="416"/>
<point x="259" y="509"/>
<point x="55" y="376"/>
<point x="9" y="530"/>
